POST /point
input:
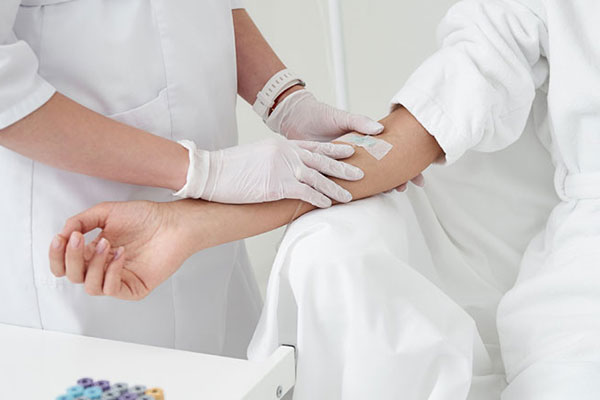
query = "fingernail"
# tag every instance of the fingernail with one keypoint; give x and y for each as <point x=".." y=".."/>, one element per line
<point x="375" y="127"/>
<point x="56" y="242"/>
<point x="118" y="254"/>
<point x="419" y="181"/>
<point x="74" y="240"/>
<point x="102" y="245"/>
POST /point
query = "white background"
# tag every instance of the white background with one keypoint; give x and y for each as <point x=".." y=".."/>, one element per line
<point x="383" y="41"/>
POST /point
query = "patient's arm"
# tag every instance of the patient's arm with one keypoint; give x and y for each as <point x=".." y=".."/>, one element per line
<point x="414" y="150"/>
<point x="152" y="240"/>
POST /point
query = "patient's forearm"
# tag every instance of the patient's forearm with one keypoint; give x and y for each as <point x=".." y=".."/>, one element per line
<point x="413" y="151"/>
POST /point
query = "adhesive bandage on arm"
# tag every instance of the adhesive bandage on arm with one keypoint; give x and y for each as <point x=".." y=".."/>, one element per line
<point x="378" y="148"/>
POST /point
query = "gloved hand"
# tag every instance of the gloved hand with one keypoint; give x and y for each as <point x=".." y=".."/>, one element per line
<point x="270" y="170"/>
<point x="301" y="116"/>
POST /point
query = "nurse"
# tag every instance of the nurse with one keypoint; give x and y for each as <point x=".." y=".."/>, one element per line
<point x="106" y="89"/>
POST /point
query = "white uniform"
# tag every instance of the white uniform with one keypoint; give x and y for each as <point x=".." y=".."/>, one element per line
<point x="164" y="66"/>
<point x="386" y="309"/>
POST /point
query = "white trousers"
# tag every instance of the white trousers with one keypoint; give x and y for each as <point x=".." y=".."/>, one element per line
<point x="549" y="322"/>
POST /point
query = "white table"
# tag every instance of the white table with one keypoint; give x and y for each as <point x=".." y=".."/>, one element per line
<point x="39" y="365"/>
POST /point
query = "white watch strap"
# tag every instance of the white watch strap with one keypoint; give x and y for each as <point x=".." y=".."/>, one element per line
<point x="279" y="83"/>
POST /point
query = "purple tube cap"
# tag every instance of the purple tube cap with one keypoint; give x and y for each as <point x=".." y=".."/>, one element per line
<point x="104" y="385"/>
<point x="85" y="382"/>
<point x="129" y="396"/>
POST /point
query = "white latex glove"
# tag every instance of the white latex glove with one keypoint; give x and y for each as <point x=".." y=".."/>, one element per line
<point x="270" y="170"/>
<point x="301" y="116"/>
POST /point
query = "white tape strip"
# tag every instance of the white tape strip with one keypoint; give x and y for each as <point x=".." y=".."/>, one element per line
<point x="378" y="148"/>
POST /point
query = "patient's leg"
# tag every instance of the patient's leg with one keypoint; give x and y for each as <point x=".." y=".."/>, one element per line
<point x="354" y="289"/>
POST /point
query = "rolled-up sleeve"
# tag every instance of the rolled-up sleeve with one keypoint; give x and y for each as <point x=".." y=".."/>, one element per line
<point x="22" y="90"/>
<point x="477" y="91"/>
<point x="237" y="4"/>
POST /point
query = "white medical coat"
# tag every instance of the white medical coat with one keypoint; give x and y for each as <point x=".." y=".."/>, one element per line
<point x="164" y="66"/>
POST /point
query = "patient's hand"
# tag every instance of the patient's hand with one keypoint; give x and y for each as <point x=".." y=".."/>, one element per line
<point x="139" y="248"/>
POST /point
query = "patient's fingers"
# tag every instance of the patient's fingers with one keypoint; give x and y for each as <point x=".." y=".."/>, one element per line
<point x="113" y="284"/>
<point x="402" y="187"/>
<point x="90" y="248"/>
<point x="88" y="220"/>
<point x="94" y="277"/>
<point x="418" y="180"/>
<point x="74" y="263"/>
<point x="56" y="254"/>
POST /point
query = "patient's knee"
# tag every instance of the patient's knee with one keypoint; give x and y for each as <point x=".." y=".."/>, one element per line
<point x="368" y="234"/>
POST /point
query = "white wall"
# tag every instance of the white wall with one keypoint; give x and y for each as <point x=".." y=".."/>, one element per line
<point x="384" y="41"/>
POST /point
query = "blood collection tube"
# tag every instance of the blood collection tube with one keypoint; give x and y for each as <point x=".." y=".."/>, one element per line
<point x="120" y="387"/>
<point x="129" y="396"/>
<point x="157" y="393"/>
<point x="93" y="393"/>
<point x="76" y="391"/>
<point x="104" y="385"/>
<point x="138" y="389"/>
<point x="85" y="382"/>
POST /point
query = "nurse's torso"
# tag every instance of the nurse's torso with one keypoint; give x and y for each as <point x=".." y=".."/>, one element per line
<point x="166" y="66"/>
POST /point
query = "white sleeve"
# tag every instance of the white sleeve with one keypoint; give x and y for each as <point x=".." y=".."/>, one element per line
<point x="476" y="92"/>
<point x="237" y="4"/>
<point x="22" y="90"/>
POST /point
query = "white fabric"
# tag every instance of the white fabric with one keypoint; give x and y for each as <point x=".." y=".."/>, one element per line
<point x="23" y="90"/>
<point x="476" y="93"/>
<point x="301" y="116"/>
<point x="497" y="53"/>
<point x="269" y="170"/>
<point x="395" y="296"/>
<point x="152" y="64"/>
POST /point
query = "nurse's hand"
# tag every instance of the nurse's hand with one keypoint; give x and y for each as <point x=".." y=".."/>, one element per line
<point x="270" y="170"/>
<point x="139" y="247"/>
<point x="301" y="116"/>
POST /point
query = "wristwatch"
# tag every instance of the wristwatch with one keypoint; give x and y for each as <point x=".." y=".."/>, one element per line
<point x="279" y="83"/>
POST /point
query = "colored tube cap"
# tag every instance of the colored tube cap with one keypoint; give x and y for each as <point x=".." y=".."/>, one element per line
<point x="129" y="396"/>
<point x="94" y="393"/>
<point x="104" y="385"/>
<point x="76" y="391"/>
<point x="157" y="393"/>
<point x="121" y="387"/>
<point x="111" y="395"/>
<point x="85" y="382"/>
<point x="138" y="389"/>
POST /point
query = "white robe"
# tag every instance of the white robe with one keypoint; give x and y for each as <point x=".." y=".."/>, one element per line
<point x="396" y="297"/>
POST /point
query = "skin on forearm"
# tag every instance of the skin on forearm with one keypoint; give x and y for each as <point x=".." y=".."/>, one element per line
<point x="212" y="223"/>
<point x="256" y="60"/>
<point x="69" y="136"/>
